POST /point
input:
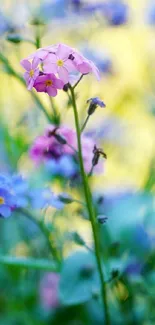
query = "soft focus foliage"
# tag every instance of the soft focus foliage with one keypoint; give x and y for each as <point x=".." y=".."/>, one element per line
<point x="43" y="217"/>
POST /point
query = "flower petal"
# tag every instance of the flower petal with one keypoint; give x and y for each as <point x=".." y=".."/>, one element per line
<point x="26" y="64"/>
<point x="35" y="63"/>
<point x="50" y="68"/>
<point x="63" y="51"/>
<point x="51" y="91"/>
<point x="63" y="74"/>
<point x="5" y="211"/>
<point x="59" y="84"/>
<point x="70" y="66"/>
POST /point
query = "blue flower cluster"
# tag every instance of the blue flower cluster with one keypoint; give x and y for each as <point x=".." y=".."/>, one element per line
<point x="15" y="193"/>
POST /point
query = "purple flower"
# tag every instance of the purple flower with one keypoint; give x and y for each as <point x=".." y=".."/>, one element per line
<point x="60" y="62"/>
<point x="48" y="84"/>
<point x="32" y="71"/>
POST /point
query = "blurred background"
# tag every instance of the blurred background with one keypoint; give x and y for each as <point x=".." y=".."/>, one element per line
<point x="118" y="36"/>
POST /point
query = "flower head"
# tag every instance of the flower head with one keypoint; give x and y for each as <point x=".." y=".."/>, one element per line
<point x="94" y="103"/>
<point x="32" y="71"/>
<point x="48" y="84"/>
<point x="55" y="60"/>
<point x="48" y="148"/>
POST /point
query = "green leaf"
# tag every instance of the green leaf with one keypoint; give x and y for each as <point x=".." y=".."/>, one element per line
<point x="79" y="279"/>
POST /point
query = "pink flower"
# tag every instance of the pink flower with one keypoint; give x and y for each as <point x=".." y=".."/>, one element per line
<point x="49" y="84"/>
<point x="84" y="65"/>
<point x="49" y="290"/>
<point x="47" y="147"/>
<point x="60" y="62"/>
<point x="32" y="71"/>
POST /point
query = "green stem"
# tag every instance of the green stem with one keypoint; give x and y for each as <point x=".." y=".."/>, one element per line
<point x="46" y="232"/>
<point x="29" y="263"/>
<point x="90" y="212"/>
<point x="78" y="81"/>
<point x="12" y="72"/>
<point x="85" y="123"/>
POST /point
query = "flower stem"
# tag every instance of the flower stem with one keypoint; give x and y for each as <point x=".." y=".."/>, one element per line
<point x="85" y="123"/>
<point x="90" y="212"/>
<point x="46" y="232"/>
<point x="29" y="263"/>
<point x="78" y="81"/>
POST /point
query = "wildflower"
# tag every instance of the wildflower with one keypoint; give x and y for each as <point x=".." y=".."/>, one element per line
<point x="48" y="84"/>
<point x="32" y="71"/>
<point x="116" y="12"/>
<point x="60" y="62"/>
<point x="94" y="103"/>
<point x="6" y="202"/>
<point x="63" y="156"/>
<point x="43" y="198"/>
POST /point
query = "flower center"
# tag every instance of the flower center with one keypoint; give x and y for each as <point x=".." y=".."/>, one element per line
<point x="31" y="73"/>
<point x="2" y="201"/>
<point x="48" y="83"/>
<point x="60" y="63"/>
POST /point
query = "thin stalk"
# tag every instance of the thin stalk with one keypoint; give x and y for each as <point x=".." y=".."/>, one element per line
<point x="56" y="116"/>
<point x="85" y="123"/>
<point x="45" y="231"/>
<point x="90" y="211"/>
<point x="29" y="263"/>
<point x="78" y="81"/>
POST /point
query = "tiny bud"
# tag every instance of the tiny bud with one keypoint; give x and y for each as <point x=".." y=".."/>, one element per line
<point x="65" y="198"/>
<point x="97" y="153"/>
<point x="71" y="57"/>
<point x="60" y="139"/>
<point x="78" y="239"/>
<point x="102" y="219"/>
<point x="87" y="271"/>
<point x="94" y="103"/>
<point x="14" y="38"/>
<point x="66" y="87"/>
<point x="114" y="273"/>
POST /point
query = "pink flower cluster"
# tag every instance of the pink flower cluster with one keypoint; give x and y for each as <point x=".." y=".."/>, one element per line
<point x="50" y="68"/>
<point x="49" y="147"/>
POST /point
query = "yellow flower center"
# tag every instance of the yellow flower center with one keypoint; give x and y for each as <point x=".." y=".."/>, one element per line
<point x="60" y="63"/>
<point x="31" y="73"/>
<point x="48" y="83"/>
<point x="2" y="201"/>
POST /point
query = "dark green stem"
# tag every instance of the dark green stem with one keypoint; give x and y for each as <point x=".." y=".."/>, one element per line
<point x="85" y="123"/>
<point x="90" y="211"/>
<point x="29" y="263"/>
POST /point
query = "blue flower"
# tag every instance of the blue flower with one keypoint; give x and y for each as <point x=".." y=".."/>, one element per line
<point x="7" y="201"/>
<point x="64" y="167"/>
<point x="116" y="12"/>
<point x="150" y="13"/>
<point x="94" y="103"/>
<point x="20" y="189"/>
<point x="43" y="198"/>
